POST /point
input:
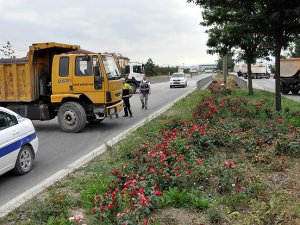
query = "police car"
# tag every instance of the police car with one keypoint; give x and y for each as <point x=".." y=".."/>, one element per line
<point x="18" y="143"/>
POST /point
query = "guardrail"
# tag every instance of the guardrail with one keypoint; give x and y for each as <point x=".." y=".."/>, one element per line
<point x="240" y="82"/>
<point x="201" y="83"/>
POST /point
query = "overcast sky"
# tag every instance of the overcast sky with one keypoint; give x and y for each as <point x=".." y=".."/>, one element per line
<point x="167" y="31"/>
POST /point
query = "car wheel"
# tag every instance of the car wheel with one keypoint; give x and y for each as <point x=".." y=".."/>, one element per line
<point x="71" y="117"/>
<point x="24" y="161"/>
<point x="295" y="91"/>
<point x="171" y="86"/>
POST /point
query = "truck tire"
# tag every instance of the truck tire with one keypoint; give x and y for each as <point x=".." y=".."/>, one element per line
<point x="24" y="161"/>
<point x="268" y="76"/>
<point x="71" y="117"/>
<point x="284" y="89"/>
<point x="134" y="87"/>
<point x="295" y="91"/>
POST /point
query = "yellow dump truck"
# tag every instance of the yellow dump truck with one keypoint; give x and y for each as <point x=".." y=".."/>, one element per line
<point x="61" y="80"/>
<point x="290" y="75"/>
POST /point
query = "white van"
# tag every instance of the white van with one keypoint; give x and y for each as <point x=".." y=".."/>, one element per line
<point x="18" y="143"/>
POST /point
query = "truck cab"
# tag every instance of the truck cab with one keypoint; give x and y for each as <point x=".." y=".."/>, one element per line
<point x="134" y="74"/>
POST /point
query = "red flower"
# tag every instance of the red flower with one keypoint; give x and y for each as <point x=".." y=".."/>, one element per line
<point x="94" y="211"/>
<point x="167" y="176"/>
<point x="188" y="172"/>
<point x="212" y="108"/>
<point x="198" y="161"/>
<point x="145" y="222"/>
<point x="158" y="192"/>
<point x="180" y="158"/>
<point x="155" y="186"/>
<point x="111" y="206"/>
<point x="102" y="207"/>
<point x="177" y="174"/>
<point x="115" y="172"/>
<point x="230" y="165"/>
<point x="280" y="120"/>
<point x="160" y="171"/>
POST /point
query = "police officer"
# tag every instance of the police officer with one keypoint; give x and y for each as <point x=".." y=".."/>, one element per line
<point x="145" y="90"/>
<point x="127" y="93"/>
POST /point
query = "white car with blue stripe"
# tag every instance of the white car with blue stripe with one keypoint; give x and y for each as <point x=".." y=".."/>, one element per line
<point x="18" y="143"/>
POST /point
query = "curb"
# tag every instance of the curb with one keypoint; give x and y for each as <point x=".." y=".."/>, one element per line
<point x="29" y="194"/>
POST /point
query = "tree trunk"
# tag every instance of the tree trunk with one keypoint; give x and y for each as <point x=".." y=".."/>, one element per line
<point x="277" y="78"/>
<point x="250" y="86"/>
<point x="225" y="68"/>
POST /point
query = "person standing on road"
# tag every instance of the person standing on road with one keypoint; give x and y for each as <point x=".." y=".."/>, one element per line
<point x="145" y="91"/>
<point x="127" y="93"/>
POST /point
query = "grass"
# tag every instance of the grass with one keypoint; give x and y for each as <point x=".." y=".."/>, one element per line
<point x="75" y="194"/>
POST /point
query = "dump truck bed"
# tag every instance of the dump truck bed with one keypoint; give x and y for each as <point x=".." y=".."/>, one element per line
<point x="258" y="68"/>
<point x="289" y="67"/>
<point x="26" y="79"/>
<point x="16" y="81"/>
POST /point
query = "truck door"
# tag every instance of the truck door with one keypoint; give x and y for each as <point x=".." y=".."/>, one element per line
<point x="83" y="79"/>
<point x="88" y="78"/>
<point x="61" y="77"/>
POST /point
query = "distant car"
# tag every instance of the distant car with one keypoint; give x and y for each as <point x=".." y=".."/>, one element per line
<point x="18" y="143"/>
<point x="178" y="79"/>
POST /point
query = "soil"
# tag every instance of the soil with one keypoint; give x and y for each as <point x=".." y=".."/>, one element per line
<point x="180" y="216"/>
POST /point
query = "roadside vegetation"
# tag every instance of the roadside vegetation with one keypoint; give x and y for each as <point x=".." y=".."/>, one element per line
<point x="213" y="158"/>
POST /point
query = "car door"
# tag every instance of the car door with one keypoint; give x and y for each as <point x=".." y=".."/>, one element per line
<point x="9" y="141"/>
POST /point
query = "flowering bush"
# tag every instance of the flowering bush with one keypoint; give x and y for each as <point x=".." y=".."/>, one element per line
<point x="173" y="157"/>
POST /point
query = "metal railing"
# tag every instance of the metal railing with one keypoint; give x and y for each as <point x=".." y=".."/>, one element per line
<point x="201" y="83"/>
<point x="239" y="81"/>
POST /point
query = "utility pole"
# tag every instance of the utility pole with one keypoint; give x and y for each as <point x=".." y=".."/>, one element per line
<point x="225" y="68"/>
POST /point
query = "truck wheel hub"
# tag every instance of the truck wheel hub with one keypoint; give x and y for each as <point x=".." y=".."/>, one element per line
<point x="69" y="118"/>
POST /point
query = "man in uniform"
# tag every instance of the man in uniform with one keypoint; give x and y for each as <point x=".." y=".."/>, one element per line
<point x="144" y="92"/>
<point x="127" y="93"/>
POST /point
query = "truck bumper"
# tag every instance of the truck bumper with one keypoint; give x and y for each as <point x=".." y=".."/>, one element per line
<point x="114" y="109"/>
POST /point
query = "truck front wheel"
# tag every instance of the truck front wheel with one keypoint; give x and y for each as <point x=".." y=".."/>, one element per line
<point x="71" y="117"/>
<point x="284" y="89"/>
<point x="134" y="87"/>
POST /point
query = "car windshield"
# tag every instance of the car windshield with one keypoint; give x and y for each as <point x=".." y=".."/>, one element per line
<point x="177" y="75"/>
<point x="111" y="68"/>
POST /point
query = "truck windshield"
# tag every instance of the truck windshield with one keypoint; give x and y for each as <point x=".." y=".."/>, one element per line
<point x="111" y="68"/>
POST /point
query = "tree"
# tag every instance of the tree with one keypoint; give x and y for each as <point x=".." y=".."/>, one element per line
<point x="7" y="50"/>
<point x="294" y="50"/>
<point x="276" y="21"/>
<point x="149" y="68"/>
<point x="230" y="62"/>
<point x="230" y="30"/>
<point x="279" y="21"/>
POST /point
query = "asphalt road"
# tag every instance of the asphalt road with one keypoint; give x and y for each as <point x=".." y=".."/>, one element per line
<point x="58" y="149"/>
<point x="269" y="85"/>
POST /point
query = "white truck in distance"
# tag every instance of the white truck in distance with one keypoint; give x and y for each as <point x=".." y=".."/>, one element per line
<point x="134" y="74"/>
<point x="259" y="70"/>
<point x="290" y="75"/>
